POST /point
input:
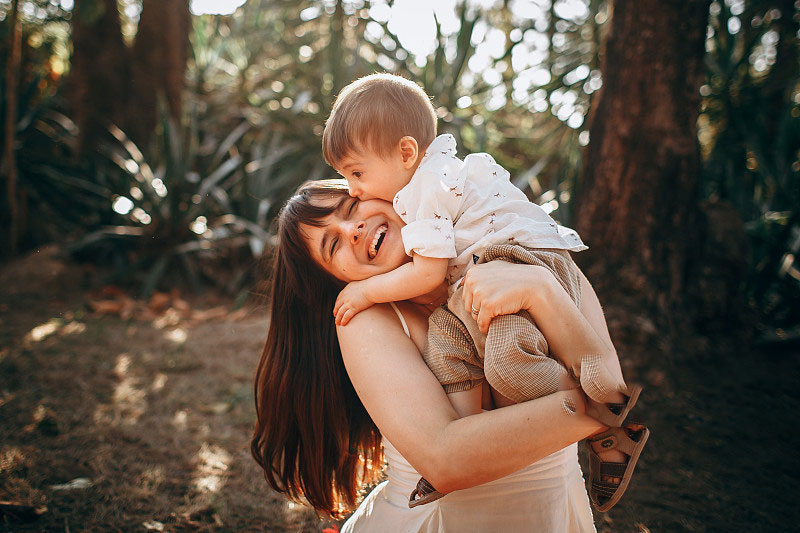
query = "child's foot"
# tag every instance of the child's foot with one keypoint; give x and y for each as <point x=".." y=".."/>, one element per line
<point x="610" y="455"/>
<point x="610" y="478"/>
<point x="424" y="493"/>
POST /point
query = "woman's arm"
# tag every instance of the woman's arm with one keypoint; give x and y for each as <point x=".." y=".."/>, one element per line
<point x="411" y="409"/>
<point x="568" y="329"/>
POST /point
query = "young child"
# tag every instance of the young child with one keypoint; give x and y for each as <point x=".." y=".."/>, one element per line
<point x="381" y="137"/>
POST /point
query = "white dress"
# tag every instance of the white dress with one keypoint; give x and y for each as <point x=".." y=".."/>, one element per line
<point x="548" y="496"/>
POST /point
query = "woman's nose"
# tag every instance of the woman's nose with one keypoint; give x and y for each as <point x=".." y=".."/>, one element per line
<point x="356" y="231"/>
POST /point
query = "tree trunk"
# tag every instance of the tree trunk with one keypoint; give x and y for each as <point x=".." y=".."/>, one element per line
<point x="112" y="84"/>
<point x="637" y="202"/>
<point x="99" y="77"/>
<point x="158" y="64"/>
<point x="9" y="152"/>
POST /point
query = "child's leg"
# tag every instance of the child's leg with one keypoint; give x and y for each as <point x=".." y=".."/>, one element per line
<point x="576" y="331"/>
<point x="519" y="348"/>
<point x="571" y="338"/>
<point x="517" y="366"/>
<point x="516" y="362"/>
<point x="450" y="353"/>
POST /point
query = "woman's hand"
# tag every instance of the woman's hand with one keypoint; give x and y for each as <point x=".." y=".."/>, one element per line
<point x="502" y="288"/>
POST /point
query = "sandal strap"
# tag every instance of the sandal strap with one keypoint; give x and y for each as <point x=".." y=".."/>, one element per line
<point x="614" y="414"/>
<point x="604" y="488"/>
<point x="424" y="487"/>
<point x="624" y="439"/>
<point x="609" y="480"/>
<point x="613" y="469"/>
<point x="423" y="493"/>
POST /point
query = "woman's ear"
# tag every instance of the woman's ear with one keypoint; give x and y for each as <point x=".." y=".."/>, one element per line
<point x="409" y="149"/>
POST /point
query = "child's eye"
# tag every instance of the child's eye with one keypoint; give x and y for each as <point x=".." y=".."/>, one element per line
<point x="357" y="175"/>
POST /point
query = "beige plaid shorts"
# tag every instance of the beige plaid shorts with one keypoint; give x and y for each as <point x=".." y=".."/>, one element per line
<point x="513" y="356"/>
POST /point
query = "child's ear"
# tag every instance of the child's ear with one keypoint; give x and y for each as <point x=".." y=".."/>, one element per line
<point x="409" y="149"/>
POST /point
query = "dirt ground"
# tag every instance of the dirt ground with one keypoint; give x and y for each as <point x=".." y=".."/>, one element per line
<point x="117" y="415"/>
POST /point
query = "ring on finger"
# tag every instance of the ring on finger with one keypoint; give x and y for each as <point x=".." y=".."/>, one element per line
<point x="475" y="310"/>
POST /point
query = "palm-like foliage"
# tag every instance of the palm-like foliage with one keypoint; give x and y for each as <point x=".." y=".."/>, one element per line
<point x="514" y="78"/>
<point x="515" y="82"/>
<point x="750" y="133"/>
<point x="174" y="215"/>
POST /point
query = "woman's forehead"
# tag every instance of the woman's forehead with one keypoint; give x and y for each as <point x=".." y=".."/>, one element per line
<point x="331" y="202"/>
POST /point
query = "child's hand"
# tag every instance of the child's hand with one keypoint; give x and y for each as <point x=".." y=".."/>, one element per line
<point x="351" y="301"/>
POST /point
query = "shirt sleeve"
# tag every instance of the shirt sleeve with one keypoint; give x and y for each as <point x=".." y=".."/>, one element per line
<point x="428" y="206"/>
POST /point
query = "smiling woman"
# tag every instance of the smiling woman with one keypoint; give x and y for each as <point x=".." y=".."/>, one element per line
<point x="330" y="401"/>
<point x="357" y="240"/>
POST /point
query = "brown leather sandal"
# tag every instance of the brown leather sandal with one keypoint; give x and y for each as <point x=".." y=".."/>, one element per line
<point x="424" y="493"/>
<point x="614" y="414"/>
<point x="630" y="440"/>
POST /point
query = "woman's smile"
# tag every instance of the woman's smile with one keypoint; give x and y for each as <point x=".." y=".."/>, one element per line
<point x="359" y="239"/>
<point x="377" y="240"/>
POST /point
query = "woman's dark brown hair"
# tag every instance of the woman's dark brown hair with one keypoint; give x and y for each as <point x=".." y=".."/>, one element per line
<point x="313" y="437"/>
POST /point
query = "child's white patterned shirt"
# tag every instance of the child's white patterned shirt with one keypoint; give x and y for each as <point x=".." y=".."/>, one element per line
<point x="454" y="209"/>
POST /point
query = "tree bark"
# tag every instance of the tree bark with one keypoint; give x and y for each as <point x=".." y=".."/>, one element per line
<point x="99" y="77"/>
<point x="637" y="201"/>
<point x="9" y="151"/>
<point x="158" y="64"/>
<point x="110" y="83"/>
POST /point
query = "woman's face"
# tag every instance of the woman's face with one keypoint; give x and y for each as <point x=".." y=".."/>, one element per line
<point x="360" y="239"/>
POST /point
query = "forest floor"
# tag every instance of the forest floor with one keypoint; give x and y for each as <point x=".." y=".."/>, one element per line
<point x="117" y="415"/>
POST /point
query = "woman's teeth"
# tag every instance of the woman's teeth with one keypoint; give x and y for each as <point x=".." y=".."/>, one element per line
<point x="377" y="240"/>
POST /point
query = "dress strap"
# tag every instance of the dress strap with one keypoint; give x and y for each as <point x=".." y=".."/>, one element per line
<point x="402" y="318"/>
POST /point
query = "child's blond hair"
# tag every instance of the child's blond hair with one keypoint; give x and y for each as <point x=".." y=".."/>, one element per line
<point x="374" y="113"/>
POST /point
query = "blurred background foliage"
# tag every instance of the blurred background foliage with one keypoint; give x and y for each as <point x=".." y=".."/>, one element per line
<point x="192" y="199"/>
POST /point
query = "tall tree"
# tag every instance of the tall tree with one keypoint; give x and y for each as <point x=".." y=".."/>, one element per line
<point x="9" y="163"/>
<point x="637" y="202"/>
<point x="158" y="63"/>
<point x="111" y="83"/>
<point x="98" y="82"/>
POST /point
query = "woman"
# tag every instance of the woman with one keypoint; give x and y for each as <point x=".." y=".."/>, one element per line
<point x="327" y="397"/>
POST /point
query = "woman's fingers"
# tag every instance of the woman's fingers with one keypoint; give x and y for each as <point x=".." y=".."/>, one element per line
<point x="467" y="295"/>
<point x="490" y="308"/>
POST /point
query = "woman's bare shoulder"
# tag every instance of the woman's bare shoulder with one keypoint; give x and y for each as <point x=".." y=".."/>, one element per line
<point x="371" y="325"/>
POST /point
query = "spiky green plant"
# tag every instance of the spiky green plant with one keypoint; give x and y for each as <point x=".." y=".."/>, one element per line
<point x="750" y="134"/>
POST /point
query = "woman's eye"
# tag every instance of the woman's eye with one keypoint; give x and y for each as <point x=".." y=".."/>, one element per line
<point x="334" y="242"/>
<point x="352" y="206"/>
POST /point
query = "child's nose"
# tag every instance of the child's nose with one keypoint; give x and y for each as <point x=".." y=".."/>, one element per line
<point x="354" y="192"/>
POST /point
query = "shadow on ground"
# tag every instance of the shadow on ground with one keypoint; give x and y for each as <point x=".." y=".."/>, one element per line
<point x="153" y="421"/>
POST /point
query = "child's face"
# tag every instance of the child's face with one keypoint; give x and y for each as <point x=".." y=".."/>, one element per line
<point x="371" y="176"/>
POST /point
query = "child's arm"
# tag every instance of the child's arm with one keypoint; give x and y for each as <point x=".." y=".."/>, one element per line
<point x="421" y="276"/>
